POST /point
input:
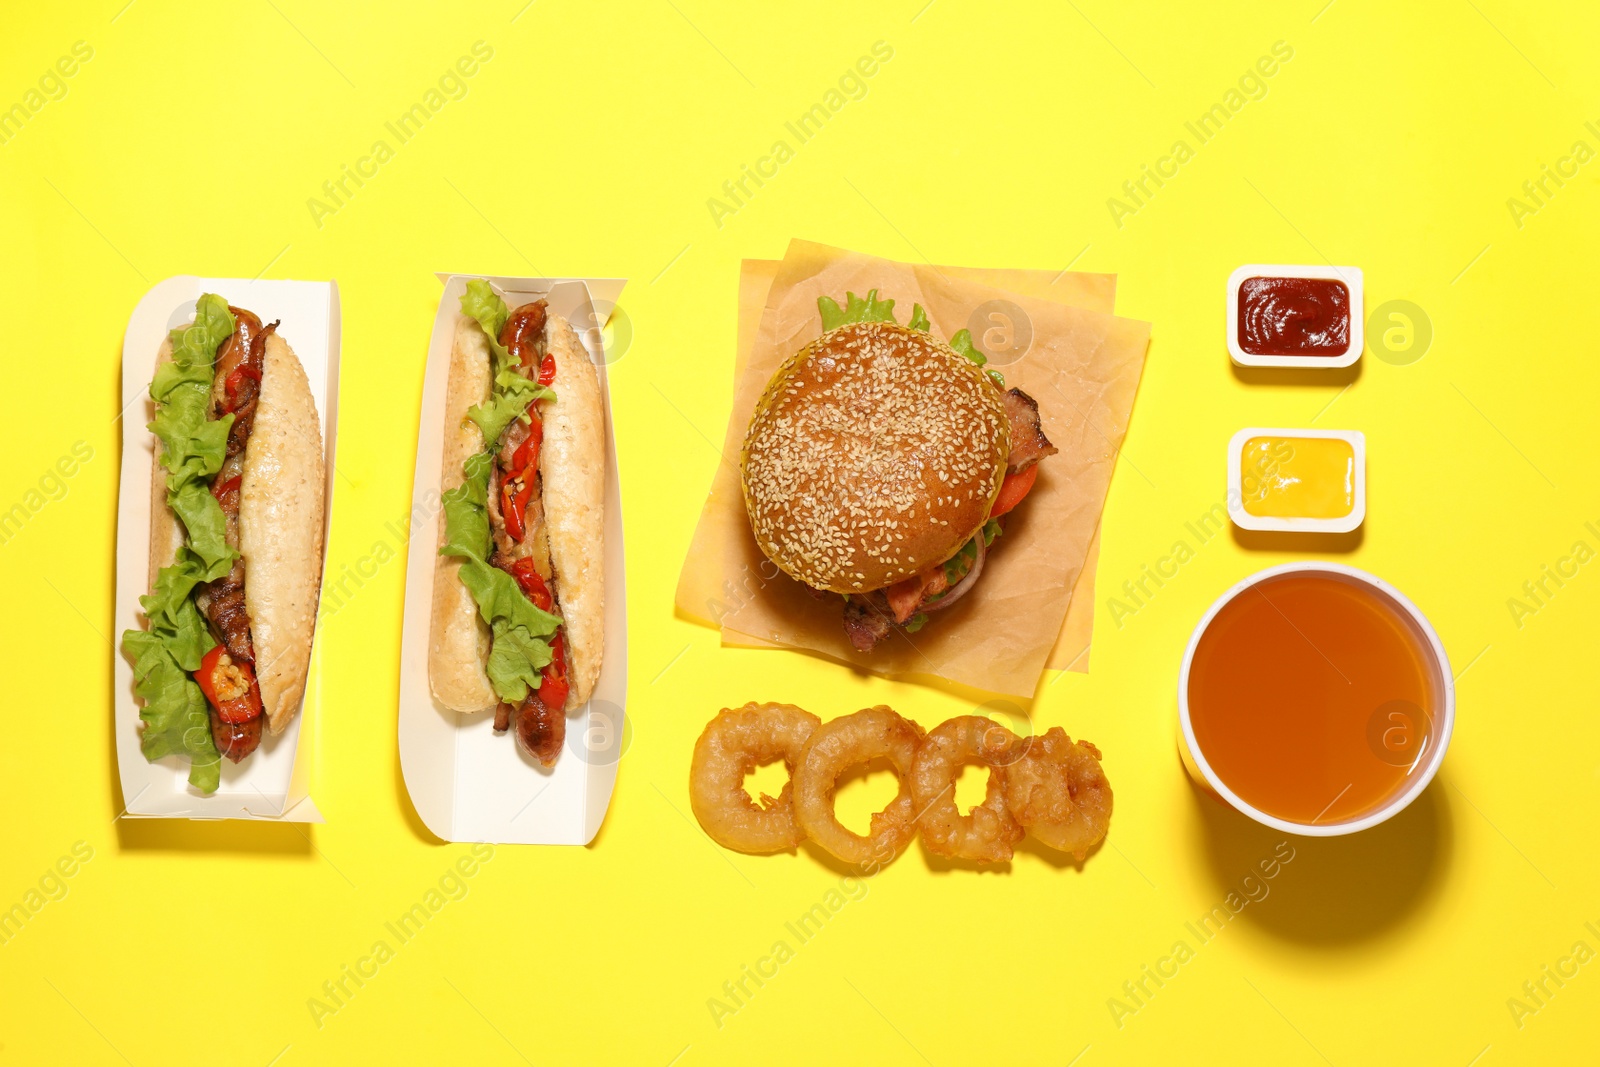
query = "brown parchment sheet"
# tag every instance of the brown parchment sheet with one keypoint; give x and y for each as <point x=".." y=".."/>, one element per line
<point x="1083" y="367"/>
<point x="699" y="590"/>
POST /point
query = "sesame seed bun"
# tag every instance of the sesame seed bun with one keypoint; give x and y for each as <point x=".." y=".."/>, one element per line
<point x="280" y="530"/>
<point x="875" y="453"/>
<point x="458" y="639"/>
<point x="572" y="468"/>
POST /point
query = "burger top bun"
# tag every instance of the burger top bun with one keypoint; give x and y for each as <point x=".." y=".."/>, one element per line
<point x="875" y="453"/>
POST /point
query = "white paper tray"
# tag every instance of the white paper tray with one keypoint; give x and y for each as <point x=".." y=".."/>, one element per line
<point x="466" y="783"/>
<point x="273" y="782"/>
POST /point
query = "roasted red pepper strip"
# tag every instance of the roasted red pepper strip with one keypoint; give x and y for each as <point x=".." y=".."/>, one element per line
<point x="227" y="485"/>
<point x="553" y="687"/>
<point x="1012" y="490"/>
<point x="514" y="497"/>
<point x="527" y="453"/>
<point x="230" y="686"/>
<point x="241" y="372"/>
<point x="518" y="487"/>
<point x="533" y="586"/>
<point x="547" y="369"/>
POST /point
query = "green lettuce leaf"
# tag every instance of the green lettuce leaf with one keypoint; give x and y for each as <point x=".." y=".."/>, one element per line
<point x="207" y="529"/>
<point x="957" y="566"/>
<point x="515" y="659"/>
<point x="856" y="309"/>
<point x="176" y="719"/>
<point x="175" y="714"/>
<point x="871" y="309"/>
<point x="193" y="446"/>
<point x="520" y="648"/>
<point x="513" y="393"/>
<point x="482" y="303"/>
<point x="962" y="342"/>
<point x="511" y="398"/>
<point x="174" y="617"/>
<point x="500" y="598"/>
<point x="466" y="514"/>
<point x="196" y="344"/>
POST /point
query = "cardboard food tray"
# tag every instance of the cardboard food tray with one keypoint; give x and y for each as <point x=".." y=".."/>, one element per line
<point x="466" y="783"/>
<point x="273" y="782"/>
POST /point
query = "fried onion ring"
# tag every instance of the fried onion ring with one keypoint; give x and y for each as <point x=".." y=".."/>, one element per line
<point x="835" y="748"/>
<point x="732" y="745"/>
<point x="1058" y="791"/>
<point x="988" y="833"/>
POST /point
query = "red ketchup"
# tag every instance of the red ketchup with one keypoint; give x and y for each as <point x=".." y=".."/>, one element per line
<point x="1294" y="317"/>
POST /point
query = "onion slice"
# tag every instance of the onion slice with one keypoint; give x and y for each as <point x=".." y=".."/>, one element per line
<point x="959" y="590"/>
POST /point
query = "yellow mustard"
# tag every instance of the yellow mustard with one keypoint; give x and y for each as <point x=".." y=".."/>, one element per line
<point x="1298" y="477"/>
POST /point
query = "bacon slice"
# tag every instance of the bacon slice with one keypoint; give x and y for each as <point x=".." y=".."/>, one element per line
<point x="1028" y="443"/>
<point x="865" y="621"/>
<point x="906" y="597"/>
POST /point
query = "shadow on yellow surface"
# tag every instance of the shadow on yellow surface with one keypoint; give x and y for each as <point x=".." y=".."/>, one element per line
<point x="235" y="836"/>
<point x="1298" y="376"/>
<point x="1336" y="891"/>
<point x="1298" y="543"/>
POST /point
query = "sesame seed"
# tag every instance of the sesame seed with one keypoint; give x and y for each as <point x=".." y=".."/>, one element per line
<point x="856" y="434"/>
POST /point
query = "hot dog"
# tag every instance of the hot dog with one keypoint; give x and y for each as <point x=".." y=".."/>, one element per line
<point x="235" y="541"/>
<point x="518" y="597"/>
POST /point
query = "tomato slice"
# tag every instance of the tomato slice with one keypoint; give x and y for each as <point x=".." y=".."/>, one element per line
<point x="1012" y="490"/>
<point x="229" y="686"/>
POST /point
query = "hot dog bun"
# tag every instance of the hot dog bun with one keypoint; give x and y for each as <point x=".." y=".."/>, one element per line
<point x="572" y="465"/>
<point x="280" y="530"/>
<point x="458" y="644"/>
<point x="572" y="468"/>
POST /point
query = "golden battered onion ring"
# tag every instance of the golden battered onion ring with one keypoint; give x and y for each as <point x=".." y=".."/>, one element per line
<point x="732" y="745"/>
<point x="1058" y="791"/>
<point x="833" y="749"/>
<point x="988" y="833"/>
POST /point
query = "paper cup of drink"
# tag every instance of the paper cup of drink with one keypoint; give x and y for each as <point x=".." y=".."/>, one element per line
<point x="1315" y="698"/>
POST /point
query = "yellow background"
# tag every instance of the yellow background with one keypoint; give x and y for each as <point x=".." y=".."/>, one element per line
<point x="589" y="145"/>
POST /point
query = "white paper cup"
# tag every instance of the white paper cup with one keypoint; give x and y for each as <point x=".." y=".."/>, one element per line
<point x="1442" y="718"/>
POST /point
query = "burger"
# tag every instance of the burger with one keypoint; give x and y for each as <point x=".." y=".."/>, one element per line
<point x="881" y="462"/>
